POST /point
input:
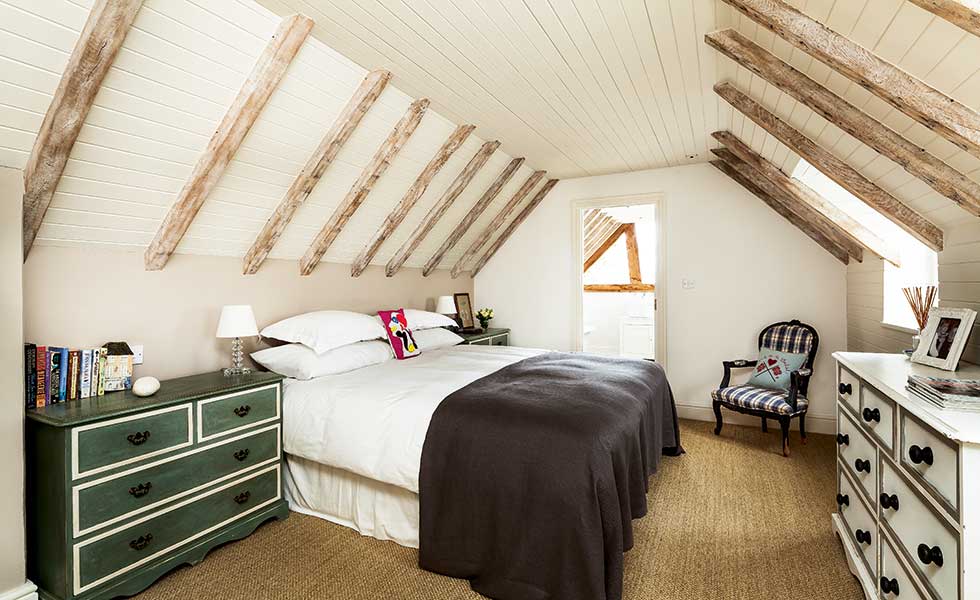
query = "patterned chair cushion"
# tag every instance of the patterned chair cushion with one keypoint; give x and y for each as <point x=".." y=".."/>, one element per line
<point x="788" y="338"/>
<point x="756" y="398"/>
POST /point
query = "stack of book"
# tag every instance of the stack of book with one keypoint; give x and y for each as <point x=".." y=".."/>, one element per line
<point x="955" y="394"/>
<point x="55" y="374"/>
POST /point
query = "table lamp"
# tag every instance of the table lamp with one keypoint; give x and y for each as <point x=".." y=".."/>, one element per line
<point x="237" y="321"/>
<point x="445" y="305"/>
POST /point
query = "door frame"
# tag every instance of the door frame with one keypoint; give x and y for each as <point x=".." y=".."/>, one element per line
<point x="658" y="200"/>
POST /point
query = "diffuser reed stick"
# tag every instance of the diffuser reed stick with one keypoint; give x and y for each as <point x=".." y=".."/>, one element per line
<point x="920" y="299"/>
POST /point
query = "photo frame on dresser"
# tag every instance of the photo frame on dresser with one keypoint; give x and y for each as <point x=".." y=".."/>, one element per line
<point x="944" y="337"/>
<point x="464" y="310"/>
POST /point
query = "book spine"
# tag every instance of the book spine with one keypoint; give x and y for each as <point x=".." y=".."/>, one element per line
<point x="30" y="375"/>
<point x="74" y="357"/>
<point x="95" y="372"/>
<point x="63" y="374"/>
<point x="85" y="374"/>
<point x="103" y="354"/>
<point x="41" y="364"/>
<point x="51" y="388"/>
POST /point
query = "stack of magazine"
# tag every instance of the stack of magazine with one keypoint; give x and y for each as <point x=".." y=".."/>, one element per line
<point x="955" y="394"/>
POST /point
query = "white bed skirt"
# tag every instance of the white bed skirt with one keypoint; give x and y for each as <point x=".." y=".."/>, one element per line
<point x="372" y="508"/>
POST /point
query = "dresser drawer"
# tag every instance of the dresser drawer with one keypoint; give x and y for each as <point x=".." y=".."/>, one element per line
<point x="106" y="501"/>
<point x="860" y="523"/>
<point x="116" y="552"/>
<point x="855" y="450"/>
<point x="223" y="415"/>
<point x="877" y="416"/>
<point x="932" y="459"/>
<point x="848" y="389"/>
<point x="895" y="581"/>
<point x="110" y="444"/>
<point x="920" y="532"/>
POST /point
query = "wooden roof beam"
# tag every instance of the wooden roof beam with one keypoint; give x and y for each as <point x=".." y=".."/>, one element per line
<point x="472" y="215"/>
<point x="953" y="120"/>
<point x="743" y="175"/>
<point x="607" y="242"/>
<point x="358" y="192"/>
<point x="497" y="222"/>
<point x="836" y="169"/>
<point x="962" y="13"/>
<point x="103" y="35"/>
<point x="944" y="179"/>
<point x="241" y="115"/>
<point x="441" y="206"/>
<point x="513" y="225"/>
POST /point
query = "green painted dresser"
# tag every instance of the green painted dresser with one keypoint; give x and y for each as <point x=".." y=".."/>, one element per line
<point x="122" y="489"/>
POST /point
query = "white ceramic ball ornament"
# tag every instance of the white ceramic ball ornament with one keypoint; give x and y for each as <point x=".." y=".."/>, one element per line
<point x="146" y="386"/>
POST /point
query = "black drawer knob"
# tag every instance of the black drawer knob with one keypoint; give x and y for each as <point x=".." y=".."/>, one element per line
<point x="844" y="388"/>
<point x="241" y="455"/>
<point x="138" y="438"/>
<point x="141" y="542"/>
<point x="862" y="465"/>
<point x="140" y="490"/>
<point x="871" y="414"/>
<point x="843" y="500"/>
<point x="243" y="410"/>
<point x="862" y="536"/>
<point x="889" y="501"/>
<point x="929" y="555"/>
<point x="920" y="455"/>
<point x="889" y="586"/>
<point x="242" y="498"/>
<point x="843" y="439"/>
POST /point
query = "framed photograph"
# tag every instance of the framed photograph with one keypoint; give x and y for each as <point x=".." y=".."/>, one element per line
<point x="464" y="310"/>
<point x="944" y="337"/>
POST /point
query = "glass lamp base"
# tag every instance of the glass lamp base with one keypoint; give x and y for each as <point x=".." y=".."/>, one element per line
<point x="237" y="360"/>
<point x="233" y="371"/>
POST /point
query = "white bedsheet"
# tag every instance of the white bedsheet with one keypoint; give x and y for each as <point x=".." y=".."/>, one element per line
<point x="373" y="421"/>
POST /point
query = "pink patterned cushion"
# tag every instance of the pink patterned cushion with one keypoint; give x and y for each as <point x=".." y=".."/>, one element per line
<point x="399" y="336"/>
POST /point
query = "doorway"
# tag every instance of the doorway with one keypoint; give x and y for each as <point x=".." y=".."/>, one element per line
<point x="619" y="292"/>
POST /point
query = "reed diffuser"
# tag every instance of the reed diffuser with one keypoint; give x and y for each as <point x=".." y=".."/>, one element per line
<point x="920" y="300"/>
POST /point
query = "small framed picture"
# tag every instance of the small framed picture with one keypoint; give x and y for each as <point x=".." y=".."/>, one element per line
<point x="944" y="337"/>
<point x="464" y="310"/>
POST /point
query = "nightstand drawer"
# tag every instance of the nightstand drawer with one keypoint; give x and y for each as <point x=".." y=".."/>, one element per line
<point x="223" y="415"/>
<point x="499" y="340"/>
<point x="114" y="553"/>
<point x="106" y="501"/>
<point x="119" y="442"/>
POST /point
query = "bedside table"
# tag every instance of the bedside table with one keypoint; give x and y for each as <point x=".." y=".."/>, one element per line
<point x="489" y="337"/>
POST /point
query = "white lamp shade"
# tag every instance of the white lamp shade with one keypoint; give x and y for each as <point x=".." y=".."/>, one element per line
<point x="237" y="320"/>
<point x="445" y="305"/>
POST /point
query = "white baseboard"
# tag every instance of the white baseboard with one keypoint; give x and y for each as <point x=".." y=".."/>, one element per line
<point x="814" y="423"/>
<point x="25" y="591"/>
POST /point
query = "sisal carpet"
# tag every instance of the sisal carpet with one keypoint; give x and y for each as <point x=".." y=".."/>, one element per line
<point x="731" y="519"/>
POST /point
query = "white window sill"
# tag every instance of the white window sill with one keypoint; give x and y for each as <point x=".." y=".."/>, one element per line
<point x="900" y="328"/>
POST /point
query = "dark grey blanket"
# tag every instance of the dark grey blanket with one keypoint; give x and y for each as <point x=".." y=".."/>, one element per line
<point x="530" y="477"/>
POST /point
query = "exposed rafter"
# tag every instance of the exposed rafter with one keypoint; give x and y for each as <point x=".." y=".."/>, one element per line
<point x="441" y="206"/>
<point x="358" y="192"/>
<point x="633" y="255"/>
<point x="835" y="168"/>
<point x="963" y="13"/>
<point x="497" y="222"/>
<point x="606" y="239"/>
<point x="472" y="215"/>
<point x="619" y="287"/>
<point x="244" y="110"/>
<point x="951" y="119"/>
<point x="343" y="127"/>
<point x="94" y="52"/>
<point x="934" y="172"/>
<point x="742" y="174"/>
<point x="513" y="225"/>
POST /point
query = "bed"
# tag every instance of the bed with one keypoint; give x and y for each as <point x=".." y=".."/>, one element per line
<point x="362" y="445"/>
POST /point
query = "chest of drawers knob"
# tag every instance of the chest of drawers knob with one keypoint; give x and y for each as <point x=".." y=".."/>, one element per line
<point x="243" y="410"/>
<point x="242" y="498"/>
<point x="140" y="490"/>
<point x="889" y="586"/>
<point x="920" y="455"/>
<point x="845" y="388"/>
<point x="871" y="414"/>
<point x="862" y="536"/>
<point x="889" y="501"/>
<point x="241" y="455"/>
<point x="862" y="465"/>
<point x="843" y="439"/>
<point x="843" y="500"/>
<point x="141" y="542"/>
<point x="929" y="555"/>
<point x="138" y="438"/>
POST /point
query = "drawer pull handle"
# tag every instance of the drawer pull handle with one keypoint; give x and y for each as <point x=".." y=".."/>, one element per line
<point x="862" y="536"/>
<point x="141" y="542"/>
<point x="243" y="410"/>
<point x="889" y="501"/>
<point x="140" y="490"/>
<point x="889" y="586"/>
<point x="844" y="388"/>
<point x="920" y="455"/>
<point x="862" y="465"/>
<point x="932" y="555"/>
<point x="242" y="498"/>
<point x="871" y="414"/>
<point x="843" y="439"/>
<point x="241" y="455"/>
<point x="138" y="438"/>
<point x="843" y="500"/>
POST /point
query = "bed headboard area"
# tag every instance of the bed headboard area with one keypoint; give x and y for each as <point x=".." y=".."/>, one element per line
<point x="83" y="299"/>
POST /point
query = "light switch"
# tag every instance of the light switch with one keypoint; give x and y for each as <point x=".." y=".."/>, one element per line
<point x="687" y="284"/>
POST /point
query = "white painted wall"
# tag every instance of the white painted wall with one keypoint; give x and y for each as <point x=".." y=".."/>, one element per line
<point x="749" y="265"/>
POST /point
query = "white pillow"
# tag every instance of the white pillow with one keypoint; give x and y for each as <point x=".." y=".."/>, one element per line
<point x="326" y="329"/>
<point x="433" y="339"/>
<point x="299" y="362"/>
<point x="423" y="319"/>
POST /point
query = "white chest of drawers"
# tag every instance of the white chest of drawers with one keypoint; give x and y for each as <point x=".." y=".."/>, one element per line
<point x="908" y="482"/>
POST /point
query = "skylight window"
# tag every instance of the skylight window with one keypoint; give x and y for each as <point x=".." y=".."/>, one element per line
<point x="920" y="264"/>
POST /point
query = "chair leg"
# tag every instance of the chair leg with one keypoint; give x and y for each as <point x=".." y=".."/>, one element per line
<point x="803" y="428"/>
<point x="716" y="405"/>
<point x="765" y="425"/>
<point x="784" y="424"/>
